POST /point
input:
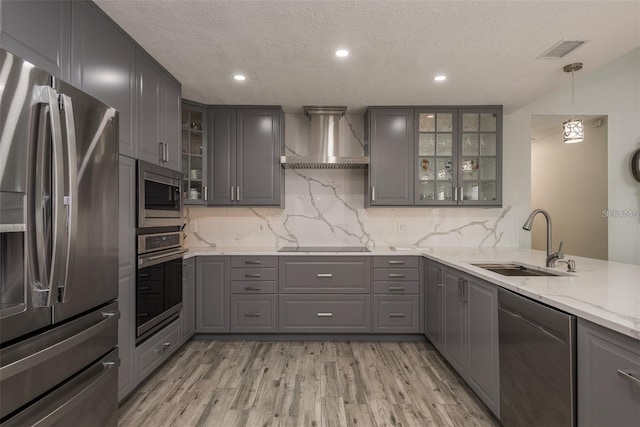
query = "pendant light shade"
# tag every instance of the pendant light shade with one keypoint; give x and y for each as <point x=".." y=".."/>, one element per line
<point x="572" y="130"/>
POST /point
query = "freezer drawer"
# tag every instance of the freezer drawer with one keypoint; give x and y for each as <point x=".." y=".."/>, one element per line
<point x="88" y="399"/>
<point x="31" y="367"/>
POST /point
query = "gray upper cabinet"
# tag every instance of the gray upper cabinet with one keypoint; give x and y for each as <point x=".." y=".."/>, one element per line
<point x="194" y="154"/>
<point x="158" y="103"/>
<point x="608" y="377"/>
<point x="389" y="137"/>
<point x="434" y="156"/>
<point x="103" y="60"/>
<point x="244" y="156"/>
<point x="212" y="294"/>
<point x="39" y="32"/>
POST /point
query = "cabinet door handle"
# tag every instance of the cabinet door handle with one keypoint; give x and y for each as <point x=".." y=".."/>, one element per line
<point x="373" y="194"/>
<point x="396" y="275"/>
<point x="395" y="262"/>
<point x="161" y="151"/>
<point x="238" y="193"/>
<point x="463" y="289"/>
<point x="632" y="376"/>
<point x="396" y="314"/>
<point x="252" y="288"/>
<point x="232" y="194"/>
<point x="164" y="347"/>
<point x="252" y="261"/>
<point x="206" y="193"/>
<point x="460" y="289"/>
<point x="455" y="194"/>
<point x="257" y="314"/>
<point x="324" y="275"/>
<point x="324" y="314"/>
<point x="396" y="288"/>
<point x="439" y="277"/>
<point x="461" y="194"/>
<point x="252" y="275"/>
<point x="166" y="152"/>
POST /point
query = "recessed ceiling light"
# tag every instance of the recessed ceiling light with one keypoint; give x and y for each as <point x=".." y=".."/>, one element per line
<point x="240" y="77"/>
<point x="440" y="78"/>
<point x="342" y="53"/>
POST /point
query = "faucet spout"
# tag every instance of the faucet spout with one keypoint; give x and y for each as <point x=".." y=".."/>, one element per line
<point x="552" y="257"/>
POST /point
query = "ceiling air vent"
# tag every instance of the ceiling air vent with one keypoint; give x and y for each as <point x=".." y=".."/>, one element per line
<point x="561" y="49"/>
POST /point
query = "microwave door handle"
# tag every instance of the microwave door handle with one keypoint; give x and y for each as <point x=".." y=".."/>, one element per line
<point x="44" y="294"/>
<point x="71" y="200"/>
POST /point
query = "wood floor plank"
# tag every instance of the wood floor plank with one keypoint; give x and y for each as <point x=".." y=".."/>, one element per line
<point x="245" y="383"/>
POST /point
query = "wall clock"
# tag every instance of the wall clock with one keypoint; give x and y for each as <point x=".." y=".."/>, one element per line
<point x="635" y="165"/>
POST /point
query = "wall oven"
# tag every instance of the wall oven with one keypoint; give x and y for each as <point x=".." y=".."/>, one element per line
<point x="159" y="202"/>
<point x="159" y="284"/>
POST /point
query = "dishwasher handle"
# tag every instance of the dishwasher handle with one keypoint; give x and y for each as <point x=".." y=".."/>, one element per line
<point x="533" y="324"/>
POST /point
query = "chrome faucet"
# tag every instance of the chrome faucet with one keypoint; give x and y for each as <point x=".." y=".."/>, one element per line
<point x="552" y="257"/>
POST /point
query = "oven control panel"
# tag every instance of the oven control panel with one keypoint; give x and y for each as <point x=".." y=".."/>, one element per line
<point x="159" y="241"/>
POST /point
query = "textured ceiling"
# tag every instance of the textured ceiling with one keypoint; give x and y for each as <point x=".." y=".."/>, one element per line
<point x="487" y="48"/>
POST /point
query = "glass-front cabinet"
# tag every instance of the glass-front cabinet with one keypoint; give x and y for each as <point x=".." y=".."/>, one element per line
<point x="458" y="156"/>
<point x="194" y="150"/>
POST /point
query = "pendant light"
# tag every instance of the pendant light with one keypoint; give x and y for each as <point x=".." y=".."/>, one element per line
<point x="573" y="130"/>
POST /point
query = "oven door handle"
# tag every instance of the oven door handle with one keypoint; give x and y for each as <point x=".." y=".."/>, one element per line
<point x="149" y="260"/>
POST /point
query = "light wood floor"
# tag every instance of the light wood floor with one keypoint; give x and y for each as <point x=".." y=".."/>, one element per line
<point x="249" y="383"/>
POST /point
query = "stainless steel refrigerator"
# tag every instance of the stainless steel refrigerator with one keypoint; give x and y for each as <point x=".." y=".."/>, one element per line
<point x="58" y="251"/>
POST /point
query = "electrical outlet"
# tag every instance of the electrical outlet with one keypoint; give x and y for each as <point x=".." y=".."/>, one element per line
<point x="402" y="227"/>
<point x="260" y="227"/>
<point x="193" y="226"/>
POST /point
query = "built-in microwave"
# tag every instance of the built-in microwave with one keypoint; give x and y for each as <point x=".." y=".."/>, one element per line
<point x="159" y="202"/>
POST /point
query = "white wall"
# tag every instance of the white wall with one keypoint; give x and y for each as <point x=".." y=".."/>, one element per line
<point x="570" y="182"/>
<point x="612" y="90"/>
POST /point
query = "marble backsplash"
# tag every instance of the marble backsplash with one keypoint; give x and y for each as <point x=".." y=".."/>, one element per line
<point x="325" y="207"/>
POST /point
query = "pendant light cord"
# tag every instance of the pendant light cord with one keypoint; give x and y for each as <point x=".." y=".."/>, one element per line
<point x="572" y="94"/>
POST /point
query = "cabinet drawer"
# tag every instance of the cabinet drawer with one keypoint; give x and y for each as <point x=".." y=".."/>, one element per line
<point x="254" y="261"/>
<point x="151" y="353"/>
<point x="325" y="313"/>
<point x="253" y="313"/>
<point x="253" y="287"/>
<point x="329" y="274"/>
<point x="405" y="287"/>
<point x="254" y="274"/>
<point x="395" y="261"/>
<point x="393" y="313"/>
<point x="396" y="274"/>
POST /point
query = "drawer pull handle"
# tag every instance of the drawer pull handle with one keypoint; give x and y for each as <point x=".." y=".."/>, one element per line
<point x="396" y="275"/>
<point x="396" y="288"/>
<point x="632" y="376"/>
<point x="252" y="288"/>
<point x="325" y="314"/>
<point x="395" y="262"/>
<point x="252" y="275"/>
<point x="396" y="314"/>
<point x="252" y="262"/>
<point x="164" y="347"/>
<point x="257" y="314"/>
<point x="324" y="275"/>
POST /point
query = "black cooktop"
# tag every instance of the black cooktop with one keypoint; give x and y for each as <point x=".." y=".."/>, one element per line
<point x="323" y="249"/>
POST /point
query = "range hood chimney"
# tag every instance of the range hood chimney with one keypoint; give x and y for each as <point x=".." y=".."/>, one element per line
<point x="322" y="151"/>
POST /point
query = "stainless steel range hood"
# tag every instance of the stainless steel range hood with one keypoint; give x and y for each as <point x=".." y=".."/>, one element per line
<point x="322" y="151"/>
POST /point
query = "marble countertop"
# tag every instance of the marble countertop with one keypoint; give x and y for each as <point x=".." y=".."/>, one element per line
<point x="603" y="292"/>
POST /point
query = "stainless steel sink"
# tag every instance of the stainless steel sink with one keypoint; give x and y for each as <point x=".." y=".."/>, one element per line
<point x="513" y="269"/>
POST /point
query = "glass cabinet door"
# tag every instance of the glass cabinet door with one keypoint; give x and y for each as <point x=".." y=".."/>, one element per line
<point x="435" y="169"/>
<point x="194" y="187"/>
<point x="479" y="158"/>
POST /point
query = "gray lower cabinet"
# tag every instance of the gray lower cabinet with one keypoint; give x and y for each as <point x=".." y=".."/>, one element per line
<point x="158" y="104"/>
<point x="434" y="304"/>
<point x="127" y="278"/>
<point x="324" y="274"/>
<point x="396" y="314"/>
<point x="244" y="148"/>
<point x="154" y="351"/>
<point x="103" y="60"/>
<point x="254" y="313"/>
<point x="396" y="299"/>
<point x="254" y="306"/>
<point x="39" y="32"/>
<point x="470" y="341"/>
<point x="212" y="294"/>
<point x="324" y="313"/>
<point x="188" y="314"/>
<point x="608" y="377"/>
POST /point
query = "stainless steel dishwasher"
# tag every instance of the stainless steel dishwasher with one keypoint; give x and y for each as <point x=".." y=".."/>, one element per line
<point x="537" y="363"/>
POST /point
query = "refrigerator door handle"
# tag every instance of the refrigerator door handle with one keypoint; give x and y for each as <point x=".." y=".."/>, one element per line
<point x="71" y="200"/>
<point x="41" y="356"/>
<point x="48" y="272"/>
